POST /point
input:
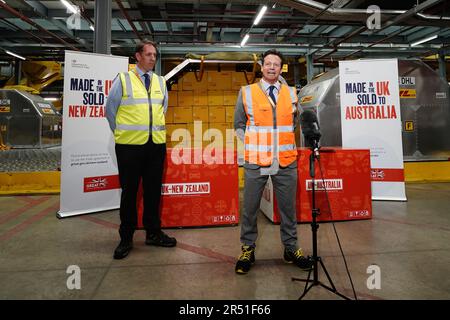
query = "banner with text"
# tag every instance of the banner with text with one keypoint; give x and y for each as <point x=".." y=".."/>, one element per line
<point x="89" y="176"/>
<point x="370" y="118"/>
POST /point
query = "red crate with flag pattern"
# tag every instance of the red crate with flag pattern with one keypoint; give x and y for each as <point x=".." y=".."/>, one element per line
<point x="199" y="189"/>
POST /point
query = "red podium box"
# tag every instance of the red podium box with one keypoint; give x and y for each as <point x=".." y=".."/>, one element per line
<point x="347" y="180"/>
<point x="198" y="194"/>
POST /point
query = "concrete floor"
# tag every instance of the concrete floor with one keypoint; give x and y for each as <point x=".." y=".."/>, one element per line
<point x="409" y="241"/>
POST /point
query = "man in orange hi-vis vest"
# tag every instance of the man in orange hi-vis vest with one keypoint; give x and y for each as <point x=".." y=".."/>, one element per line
<point x="265" y="118"/>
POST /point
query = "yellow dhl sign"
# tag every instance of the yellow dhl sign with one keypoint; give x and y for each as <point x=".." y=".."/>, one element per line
<point x="5" y="109"/>
<point x="47" y="110"/>
<point x="306" y="99"/>
<point x="408" y="93"/>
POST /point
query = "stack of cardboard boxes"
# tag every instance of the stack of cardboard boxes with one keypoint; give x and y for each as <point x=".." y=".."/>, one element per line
<point x="211" y="101"/>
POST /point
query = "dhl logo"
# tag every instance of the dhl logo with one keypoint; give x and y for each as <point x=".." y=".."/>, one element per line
<point x="306" y="99"/>
<point x="408" y="93"/>
<point x="47" y="110"/>
<point x="5" y="109"/>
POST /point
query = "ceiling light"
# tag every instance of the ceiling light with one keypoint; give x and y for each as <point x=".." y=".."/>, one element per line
<point x="3" y="1"/>
<point x="51" y="99"/>
<point x="15" y="55"/>
<point x="260" y="15"/>
<point x="69" y="6"/>
<point x="91" y="27"/>
<point x="244" y="41"/>
<point x="424" y="40"/>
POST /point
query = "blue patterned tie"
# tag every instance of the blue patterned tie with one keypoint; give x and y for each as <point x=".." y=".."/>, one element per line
<point x="271" y="95"/>
<point x="147" y="81"/>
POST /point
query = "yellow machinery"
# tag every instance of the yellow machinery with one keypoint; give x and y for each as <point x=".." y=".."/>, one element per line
<point x="36" y="76"/>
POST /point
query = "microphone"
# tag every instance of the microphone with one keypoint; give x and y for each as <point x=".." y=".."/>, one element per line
<point x="310" y="128"/>
<point x="310" y="125"/>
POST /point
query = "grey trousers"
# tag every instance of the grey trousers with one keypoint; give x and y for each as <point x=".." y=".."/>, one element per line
<point x="285" y="187"/>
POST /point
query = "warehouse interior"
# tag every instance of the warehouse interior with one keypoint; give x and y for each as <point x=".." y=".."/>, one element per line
<point x="208" y="50"/>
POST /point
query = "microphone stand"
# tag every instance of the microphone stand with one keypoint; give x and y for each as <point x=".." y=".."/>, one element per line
<point x="315" y="154"/>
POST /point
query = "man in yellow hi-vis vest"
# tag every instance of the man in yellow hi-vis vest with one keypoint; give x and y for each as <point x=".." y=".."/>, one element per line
<point x="265" y="118"/>
<point x="135" y="110"/>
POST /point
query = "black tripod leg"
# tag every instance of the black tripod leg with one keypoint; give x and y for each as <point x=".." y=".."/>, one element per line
<point x="304" y="280"/>
<point x="307" y="280"/>
<point x="328" y="276"/>
<point x="306" y="290"/>
<point x="333" y="289"/>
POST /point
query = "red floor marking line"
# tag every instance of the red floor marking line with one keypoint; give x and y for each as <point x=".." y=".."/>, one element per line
<point x="359" y="295"/>
<point x="19" y="211"/>
<point x="26" y="199"/>
<point x="101" y="222"/>
<point x="29" y="199"/>
<point x="198" y="250"/>
<point x="427" y="225"/>
<point x="206" y="252"/>
<point x="21" y="227"/>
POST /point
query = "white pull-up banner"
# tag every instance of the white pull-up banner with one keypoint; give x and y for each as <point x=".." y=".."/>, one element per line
<point x="89" y="175"/>
<point x="370" y="119"/>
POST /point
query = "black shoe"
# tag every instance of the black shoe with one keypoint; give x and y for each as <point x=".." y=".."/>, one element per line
<point x="245" y="260"/>
<point x="123" y="249"/>
<point x="297" y="257"/>
<point x="160" y="239"/>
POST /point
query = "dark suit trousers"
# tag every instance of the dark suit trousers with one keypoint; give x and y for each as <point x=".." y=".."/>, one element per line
<point x="136" y="162"/>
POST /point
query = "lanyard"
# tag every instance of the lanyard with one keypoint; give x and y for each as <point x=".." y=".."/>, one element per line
<point x="139" y="77"/>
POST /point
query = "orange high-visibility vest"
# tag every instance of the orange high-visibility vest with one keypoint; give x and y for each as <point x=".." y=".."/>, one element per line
<point x="267" y="137"/>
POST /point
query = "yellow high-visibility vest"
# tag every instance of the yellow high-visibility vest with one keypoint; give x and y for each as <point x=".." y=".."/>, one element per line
<point x="133" y="117"/>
